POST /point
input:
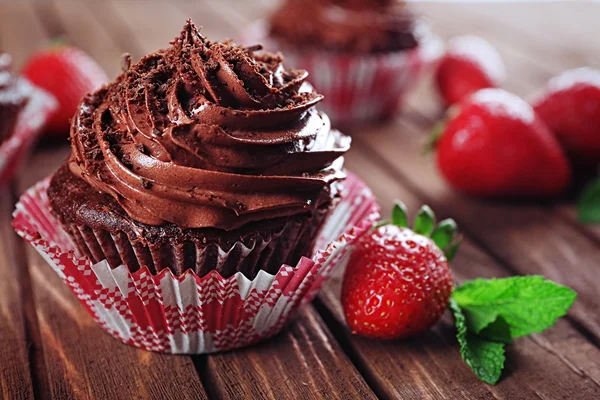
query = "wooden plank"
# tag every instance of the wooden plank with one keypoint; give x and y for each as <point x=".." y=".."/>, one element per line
<point x="16" y="343"/>
<point x="303" y="362"/>
<point x="430" y="366"/>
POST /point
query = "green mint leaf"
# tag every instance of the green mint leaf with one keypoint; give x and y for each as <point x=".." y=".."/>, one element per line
<point x="444" y="232"/>
<point x="424" y="221"/>
<point x="497" y="331"/>
<point x="588" y="207"/>
<point x="527" y="304"/>
<point x="485" y="357"/>
<point x="400" y="214"/>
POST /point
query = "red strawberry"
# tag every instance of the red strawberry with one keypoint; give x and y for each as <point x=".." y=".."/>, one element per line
<point x="570" y="106"/>
<point x="68" y="73"/>
<point x="497" y="146"/>
<point x="398" y="282"/>
<point x="470" y="64"/>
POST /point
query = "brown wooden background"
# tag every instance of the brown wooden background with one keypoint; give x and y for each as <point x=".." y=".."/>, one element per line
<point x="50" y="348"/>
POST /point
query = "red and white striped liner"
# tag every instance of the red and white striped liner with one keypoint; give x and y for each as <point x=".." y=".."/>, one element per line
<point x="189" y="314"/>
<point x="30" y="122"/>
<point x="357" y="88"/>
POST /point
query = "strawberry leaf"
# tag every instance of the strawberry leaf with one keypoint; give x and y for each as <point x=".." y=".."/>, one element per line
<point x="527" y="304"/>
<point x="424" y="221"/>
<point x="485" y="357"/>
<point x="589" y="204"/>
<point x="443" y="234"/>
<point x="451" y="250"/>
<point x="400" y="214"/>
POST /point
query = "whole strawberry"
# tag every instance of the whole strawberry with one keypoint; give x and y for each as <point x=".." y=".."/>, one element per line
<point x="68" y="73"/>
<point x="496" y="145"/>
<point x="570" y="106"/>
<point x="470" y="63"/>
<point x="398" y="282"/>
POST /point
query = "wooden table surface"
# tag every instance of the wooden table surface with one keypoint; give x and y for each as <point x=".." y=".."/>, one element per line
<point x="51" y="348"/>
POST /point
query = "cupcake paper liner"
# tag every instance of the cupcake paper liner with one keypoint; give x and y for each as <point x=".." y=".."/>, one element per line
<point x="263" y="251"/>
<point x="358" y="88"/>
<point x="31" y="119"/>
<point x="189" y="314"/>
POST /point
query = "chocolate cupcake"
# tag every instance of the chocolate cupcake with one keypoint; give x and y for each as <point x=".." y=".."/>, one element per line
<point x="351" y="26"/>
<point x="13" y="98"/>
<point x="363" y="55"/>
<point x="203" y="156"/>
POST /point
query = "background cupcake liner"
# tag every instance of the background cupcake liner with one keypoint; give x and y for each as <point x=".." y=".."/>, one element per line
<point x="32" y="118"/>
<point x="357" y="88"/>
<point x="189" y="314"/>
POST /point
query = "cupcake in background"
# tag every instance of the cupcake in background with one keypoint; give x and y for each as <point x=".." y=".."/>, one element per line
<point x="24" y="109"/>
<point x="13" y="98"/>
<point x="364" y="56"/>
<point x="200" y="180"/>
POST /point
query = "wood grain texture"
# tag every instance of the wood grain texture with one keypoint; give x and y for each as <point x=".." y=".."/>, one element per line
<point x="304" y="362"/>
<point x="21" y="32"/>
<point x="15" y="374"/>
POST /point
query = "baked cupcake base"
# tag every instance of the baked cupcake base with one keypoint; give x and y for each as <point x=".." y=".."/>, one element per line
<point x="188" y="314"/>
<point x="101" y="230"/>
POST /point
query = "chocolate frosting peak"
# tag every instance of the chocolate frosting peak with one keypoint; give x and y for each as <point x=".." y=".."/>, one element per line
<point x="208" y="134"/>
<point x="346" y="25"/>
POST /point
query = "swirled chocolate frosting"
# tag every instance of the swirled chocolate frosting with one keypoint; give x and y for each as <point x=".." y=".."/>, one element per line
<point x="368" y="26"/>
<point x="208" y="134"/>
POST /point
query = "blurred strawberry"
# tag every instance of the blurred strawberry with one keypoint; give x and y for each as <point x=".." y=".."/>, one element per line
<point x="398" y="281"/>
<point x="470" y="63"/>
<point x="570" y="106"/>
<point x="496" y="145"/>
<point x="68" y="73"/>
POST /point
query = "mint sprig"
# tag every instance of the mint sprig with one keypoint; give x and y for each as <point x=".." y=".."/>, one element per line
<point x="490" y="313"/>
<point x="485" y="357"/>
<point x="588" y="207"/>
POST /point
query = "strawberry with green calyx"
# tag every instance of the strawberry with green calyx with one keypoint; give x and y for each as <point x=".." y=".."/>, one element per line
<point x="398" y="284"/>
<point x="398" y="281"/>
